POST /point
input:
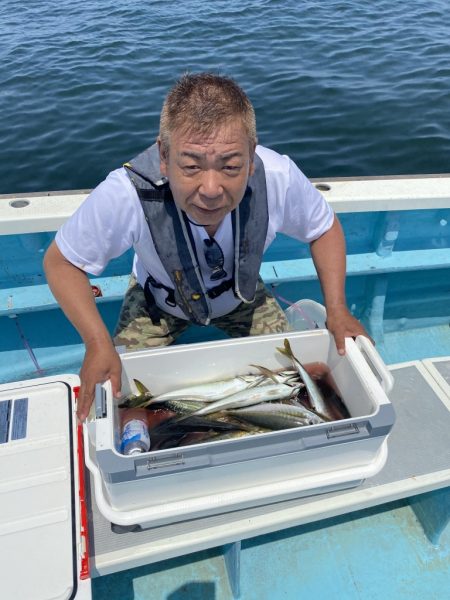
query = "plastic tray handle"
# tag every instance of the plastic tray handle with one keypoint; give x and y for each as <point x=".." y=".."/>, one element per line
<point x="375" y="362"/>
<point x="101" y="391"/>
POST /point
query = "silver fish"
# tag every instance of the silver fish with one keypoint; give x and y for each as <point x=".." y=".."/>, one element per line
<point x="273" y="422"/>
<point x="315" y="395"/>
<point x="268" y="414"/>
<point x="232" y="435"/>
<point x="311" y="413"/>
<point x="210" y="392"/>
<point x="289" y="377"/>
<point x="183" y="407"/>
<point x="263" y="393"/>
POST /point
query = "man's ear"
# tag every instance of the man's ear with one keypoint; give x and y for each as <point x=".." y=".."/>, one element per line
<point x="162" y="157"/>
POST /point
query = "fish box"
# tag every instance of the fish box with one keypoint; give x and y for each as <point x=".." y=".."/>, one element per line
<point x="43" y="512"/>
<point x="214" y="477"/>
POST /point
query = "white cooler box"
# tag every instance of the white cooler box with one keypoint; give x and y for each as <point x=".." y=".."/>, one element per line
<point x="43" y="513"/>
<point x="215" y="477"/>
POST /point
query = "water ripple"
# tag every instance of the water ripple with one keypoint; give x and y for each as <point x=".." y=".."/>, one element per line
<point x="344" y="87"/>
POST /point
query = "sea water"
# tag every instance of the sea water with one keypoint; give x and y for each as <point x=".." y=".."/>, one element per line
<point x="345" y="88"/>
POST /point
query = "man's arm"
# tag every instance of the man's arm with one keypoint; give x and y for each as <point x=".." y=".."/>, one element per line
<point x="72" y="290"/>
<point x="329" y="256"/>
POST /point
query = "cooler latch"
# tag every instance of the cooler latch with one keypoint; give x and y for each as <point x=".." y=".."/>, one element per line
<point x="143" y="467"/>
<point x="342" y="430"/>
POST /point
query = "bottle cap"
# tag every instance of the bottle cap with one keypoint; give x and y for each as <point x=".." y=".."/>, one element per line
<point x="134" y="451"/>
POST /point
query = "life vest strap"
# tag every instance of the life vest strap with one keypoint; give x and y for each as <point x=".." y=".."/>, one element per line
<point x="213" y="292"/>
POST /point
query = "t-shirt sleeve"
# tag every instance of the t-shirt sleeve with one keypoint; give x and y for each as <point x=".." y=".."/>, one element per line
<point x="296" y="207"/>
<point x="105" y="226"/>
<point x="307" y="215"/>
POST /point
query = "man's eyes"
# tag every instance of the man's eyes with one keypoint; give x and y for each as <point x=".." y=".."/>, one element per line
<point x="231" y="169"/>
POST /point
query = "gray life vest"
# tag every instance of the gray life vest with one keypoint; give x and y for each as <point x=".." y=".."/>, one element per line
<point x="172" y="236"/>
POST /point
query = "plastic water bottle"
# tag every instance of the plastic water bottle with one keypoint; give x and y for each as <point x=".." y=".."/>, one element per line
<point x="135" y="436"/>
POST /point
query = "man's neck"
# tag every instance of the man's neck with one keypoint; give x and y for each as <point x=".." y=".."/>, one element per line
<point x="211" y="230"/>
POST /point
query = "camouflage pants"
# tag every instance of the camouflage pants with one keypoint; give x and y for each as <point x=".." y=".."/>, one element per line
<point x="136" y="330"/>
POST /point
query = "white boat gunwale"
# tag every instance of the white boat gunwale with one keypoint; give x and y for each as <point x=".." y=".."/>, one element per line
<point x="47" y="211"/>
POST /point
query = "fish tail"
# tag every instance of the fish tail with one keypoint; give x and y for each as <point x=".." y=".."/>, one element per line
<point x="287" y="350"/>
<point x="141" y="388"/>
<point x="266" y="372"/>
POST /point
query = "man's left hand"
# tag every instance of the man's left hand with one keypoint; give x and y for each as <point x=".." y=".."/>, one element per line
<point x="341" y="324"/>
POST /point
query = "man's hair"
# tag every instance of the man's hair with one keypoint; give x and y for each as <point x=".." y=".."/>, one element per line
<point x="202" y="102"/>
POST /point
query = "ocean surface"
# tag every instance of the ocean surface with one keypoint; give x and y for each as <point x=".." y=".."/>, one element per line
<point x="346" y="88"/>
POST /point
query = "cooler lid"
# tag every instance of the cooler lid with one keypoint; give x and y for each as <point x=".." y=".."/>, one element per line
<point x="39" y="501"/>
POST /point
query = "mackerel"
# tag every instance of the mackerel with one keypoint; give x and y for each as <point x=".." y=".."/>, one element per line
<point x="183" y="407"/>
<point x="315" y="395"/>
<point x="273" y="421"/>
<point x="268" y="414"/>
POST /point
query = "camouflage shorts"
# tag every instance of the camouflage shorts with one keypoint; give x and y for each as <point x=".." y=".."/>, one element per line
<point x="136" y="330"/>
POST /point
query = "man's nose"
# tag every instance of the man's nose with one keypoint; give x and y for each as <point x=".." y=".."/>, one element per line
<point x="211" y="185"/>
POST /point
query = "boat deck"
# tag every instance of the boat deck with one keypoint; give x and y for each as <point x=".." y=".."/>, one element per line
<point x="366" y="542"/>
<point x="379" y="553"/>
<point x="418" y="462"/>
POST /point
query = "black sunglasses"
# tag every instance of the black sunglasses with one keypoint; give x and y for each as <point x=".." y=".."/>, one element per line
<point x="214" y="259"/>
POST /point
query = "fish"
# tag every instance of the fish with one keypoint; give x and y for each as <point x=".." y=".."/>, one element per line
<point x="232" y="435"/>
<point x="170" y="433"/>
<point x="141" y="388"/>
<point x="294" y="401"/>
<point x="195" y="437"/>
<point x="139" y="400"/>
<point x="183" y="407"/>
<point x="316" y="397"/>
<point x="289" y="377"/>
<point x="226" y="417"/>
<point x="193" y="423"/>
<point x="277" y="415"/>
<point x="209" y="392"/>
<point x="263" y="393"/>
<point x="273" y="422"/>
<point x="199" y="437"/>
<point x="174" y="440"/>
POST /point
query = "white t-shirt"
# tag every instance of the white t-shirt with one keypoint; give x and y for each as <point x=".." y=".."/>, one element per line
<point x="111" y="220"/>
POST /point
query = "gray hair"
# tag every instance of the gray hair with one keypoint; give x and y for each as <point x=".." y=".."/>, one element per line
<point x="200" y="102"/>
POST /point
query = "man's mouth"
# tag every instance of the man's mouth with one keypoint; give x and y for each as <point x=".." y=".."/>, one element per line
<point x="209" y="211"/>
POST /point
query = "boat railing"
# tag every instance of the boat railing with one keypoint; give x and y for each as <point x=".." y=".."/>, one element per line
<point x="47" y="211"/>
<point x="41" y="213"/>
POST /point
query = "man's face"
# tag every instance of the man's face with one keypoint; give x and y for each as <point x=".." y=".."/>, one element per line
<point x="208" y="173"/>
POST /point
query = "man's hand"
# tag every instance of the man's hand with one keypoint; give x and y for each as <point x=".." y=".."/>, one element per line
<point x="101" y="362"/>
<point x="341" y="324"/>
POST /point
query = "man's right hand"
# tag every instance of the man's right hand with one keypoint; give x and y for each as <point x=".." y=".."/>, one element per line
<point x="101" y="362"/>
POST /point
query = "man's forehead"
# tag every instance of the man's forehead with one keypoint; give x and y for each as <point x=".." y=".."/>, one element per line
<point x="220" y="151"/>
<point x="223" y="136"/>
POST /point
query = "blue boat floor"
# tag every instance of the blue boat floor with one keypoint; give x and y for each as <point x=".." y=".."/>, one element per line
<point x="415" y="344"/>
<point x="379" y="553"/>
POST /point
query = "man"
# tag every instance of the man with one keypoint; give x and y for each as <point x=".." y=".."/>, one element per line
<point x="199" y="207"/>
